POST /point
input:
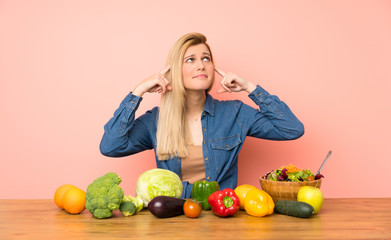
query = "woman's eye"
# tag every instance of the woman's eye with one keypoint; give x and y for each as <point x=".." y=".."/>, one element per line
<point x="205" y="59"/>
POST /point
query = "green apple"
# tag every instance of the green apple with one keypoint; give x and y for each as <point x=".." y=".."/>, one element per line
<point x="312" y="196"/>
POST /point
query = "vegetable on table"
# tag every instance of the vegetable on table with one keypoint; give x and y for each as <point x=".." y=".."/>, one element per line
<point x="192" y="208"/>
<point x="104" y="195"/>
<point x="241" y="191"/>
<point x="127" y="208"/>
<point x="158" y="182"/>
<point x="137" y="201"/>
<point x="224" y="203"/>
<point x="294" y="208"/>
<point x="131" y="205"/>
<point x="164" y="206"/>
<point x="258" y="203"/>
<point x="201" y="191"/>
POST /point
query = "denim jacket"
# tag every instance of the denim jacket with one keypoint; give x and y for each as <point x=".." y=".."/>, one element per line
<point x="225" y="125"/>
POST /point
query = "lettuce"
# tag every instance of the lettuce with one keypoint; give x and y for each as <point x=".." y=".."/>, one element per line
<point x="158" y="182"/>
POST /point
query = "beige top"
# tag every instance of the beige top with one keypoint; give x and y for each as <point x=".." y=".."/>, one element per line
<point x="193" y="166"/>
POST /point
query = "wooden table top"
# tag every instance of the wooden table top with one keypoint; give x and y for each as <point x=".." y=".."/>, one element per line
<point x="359" y="218"/>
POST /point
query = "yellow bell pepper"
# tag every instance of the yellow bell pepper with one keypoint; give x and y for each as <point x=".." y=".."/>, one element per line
<point x="258" y="203"/>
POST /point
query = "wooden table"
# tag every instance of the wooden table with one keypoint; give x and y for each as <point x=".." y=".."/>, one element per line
<point x="339" y="219"/>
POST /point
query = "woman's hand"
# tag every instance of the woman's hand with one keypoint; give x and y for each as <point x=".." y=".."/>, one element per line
<point x="234" y="83"/>
<point x="155" y="83"/>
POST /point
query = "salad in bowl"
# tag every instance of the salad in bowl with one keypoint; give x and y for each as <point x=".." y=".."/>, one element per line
<point x="291" y="173"/>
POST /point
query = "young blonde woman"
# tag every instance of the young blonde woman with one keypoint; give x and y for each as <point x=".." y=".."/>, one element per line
<point x="193" y="134"/>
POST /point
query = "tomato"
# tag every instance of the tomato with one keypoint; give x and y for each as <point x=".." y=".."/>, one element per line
<point x="310" y="178"/>
<point x="192" y="208"/>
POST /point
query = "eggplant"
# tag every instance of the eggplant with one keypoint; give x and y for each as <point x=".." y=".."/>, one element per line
<point x="164" y="206"/>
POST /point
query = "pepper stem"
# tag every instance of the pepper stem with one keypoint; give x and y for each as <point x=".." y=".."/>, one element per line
<point x="228" y="202"/>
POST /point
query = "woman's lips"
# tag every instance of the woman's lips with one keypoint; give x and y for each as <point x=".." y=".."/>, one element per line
<point x="200" y="76"/>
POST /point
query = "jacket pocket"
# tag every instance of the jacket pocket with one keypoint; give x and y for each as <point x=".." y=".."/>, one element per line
<point x="227" y="143"/>
<point x="224" y="151"/>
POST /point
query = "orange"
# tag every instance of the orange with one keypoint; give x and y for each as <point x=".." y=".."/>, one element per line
<point x="59" y="194"/>
<point x="74" y="200"/>
<point x="242" y="191"/>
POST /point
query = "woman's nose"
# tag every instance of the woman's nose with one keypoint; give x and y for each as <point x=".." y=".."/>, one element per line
<point x="200" y="65"/>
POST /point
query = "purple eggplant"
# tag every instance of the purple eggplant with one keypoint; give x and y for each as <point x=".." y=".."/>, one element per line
<point x="164" y="206"/>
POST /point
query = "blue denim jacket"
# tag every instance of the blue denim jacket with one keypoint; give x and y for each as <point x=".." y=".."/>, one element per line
<point x="225" y="125"/>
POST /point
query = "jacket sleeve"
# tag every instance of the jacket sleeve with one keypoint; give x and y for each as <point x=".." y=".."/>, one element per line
<point x="123" y="135"/>
<point x="274" y="120"/>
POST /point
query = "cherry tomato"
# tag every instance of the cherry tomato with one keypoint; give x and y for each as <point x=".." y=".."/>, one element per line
<point x="310" y="178"/>
<point x="192" y="208"/>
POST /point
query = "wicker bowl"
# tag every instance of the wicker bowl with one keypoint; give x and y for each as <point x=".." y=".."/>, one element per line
<point x="280" y="190"/>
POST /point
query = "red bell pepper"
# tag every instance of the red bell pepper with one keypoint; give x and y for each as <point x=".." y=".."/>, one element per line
<point x="224" y="203"/>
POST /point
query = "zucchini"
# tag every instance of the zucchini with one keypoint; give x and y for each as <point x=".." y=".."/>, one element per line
<point x="294" y="208"/>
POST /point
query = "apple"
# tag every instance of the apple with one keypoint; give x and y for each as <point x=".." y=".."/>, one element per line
<point x="312" y="196"/>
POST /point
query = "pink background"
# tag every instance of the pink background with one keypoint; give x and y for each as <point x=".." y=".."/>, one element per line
<point x="66" y="65"/>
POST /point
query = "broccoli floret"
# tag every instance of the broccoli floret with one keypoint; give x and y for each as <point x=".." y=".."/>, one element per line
<point x="127" y="208"/>
<point x="137" y="201"/>
<point x="104" y="195"/>
<point x="102" y="213"/>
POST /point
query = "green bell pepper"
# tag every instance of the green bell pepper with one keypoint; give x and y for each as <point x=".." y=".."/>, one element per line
<point x="201" y="191"/>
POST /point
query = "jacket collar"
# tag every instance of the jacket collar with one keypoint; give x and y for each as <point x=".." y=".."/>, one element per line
<point x="209" y="105"/>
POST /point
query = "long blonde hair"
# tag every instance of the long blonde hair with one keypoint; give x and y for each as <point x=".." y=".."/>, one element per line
<point x="171" y="132"/>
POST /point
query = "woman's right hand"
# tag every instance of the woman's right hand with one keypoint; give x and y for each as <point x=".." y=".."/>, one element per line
<point x="155" y="83"/>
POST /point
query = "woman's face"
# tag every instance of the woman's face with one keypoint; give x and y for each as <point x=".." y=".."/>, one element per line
<point x="197" y="68"/>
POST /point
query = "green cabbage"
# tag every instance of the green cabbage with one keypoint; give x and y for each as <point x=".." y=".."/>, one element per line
<point x="158" y="182"/>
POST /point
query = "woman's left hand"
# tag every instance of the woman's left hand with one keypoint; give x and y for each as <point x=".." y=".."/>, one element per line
<point x="234" y="83"/>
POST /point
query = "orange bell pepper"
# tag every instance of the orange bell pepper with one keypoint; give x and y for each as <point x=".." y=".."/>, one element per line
<point x="258" y="203"/>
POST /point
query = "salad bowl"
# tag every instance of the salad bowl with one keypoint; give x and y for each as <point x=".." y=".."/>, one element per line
<point x="283" y="190"/>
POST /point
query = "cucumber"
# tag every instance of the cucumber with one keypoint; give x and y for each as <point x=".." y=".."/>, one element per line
<point x="294" y="208"/>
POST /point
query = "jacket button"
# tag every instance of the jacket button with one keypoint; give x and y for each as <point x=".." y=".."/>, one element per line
<point x="226" y="145"/>
<point x="204" y="142"/>
<point x="206" y="159"/>
<point x="204" y="129"/>
<point x="132" y="101"/>
<point x="208" y="178"/>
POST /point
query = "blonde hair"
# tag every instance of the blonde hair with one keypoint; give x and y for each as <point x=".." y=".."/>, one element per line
<point x="172" y="132"/>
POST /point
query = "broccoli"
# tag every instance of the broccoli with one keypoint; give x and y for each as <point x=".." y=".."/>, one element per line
<point x="129" y="203"/>
<point x="104" y="195"/>
<point x="127" y="208"/>
<point x="138" y="202"/>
